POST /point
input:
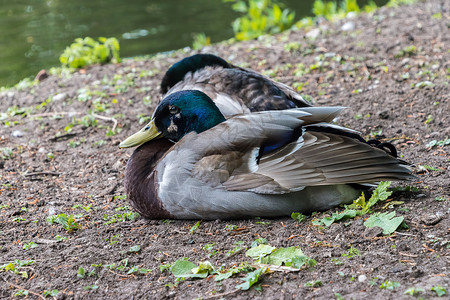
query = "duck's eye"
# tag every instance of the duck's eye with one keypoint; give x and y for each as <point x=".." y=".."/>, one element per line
<point x="174" y="109"/>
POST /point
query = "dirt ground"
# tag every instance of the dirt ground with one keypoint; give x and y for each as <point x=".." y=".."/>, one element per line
<point x="61" y="156"/>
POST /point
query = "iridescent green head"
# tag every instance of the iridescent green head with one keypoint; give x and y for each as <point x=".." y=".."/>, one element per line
<point x="177" y="115"/>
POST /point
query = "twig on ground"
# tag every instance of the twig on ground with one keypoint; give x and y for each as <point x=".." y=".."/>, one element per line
<point x="223" y="294"/>
<point x="24" y="289"/>
<point x="41" y="173"/>
<point x="111" y="119"/>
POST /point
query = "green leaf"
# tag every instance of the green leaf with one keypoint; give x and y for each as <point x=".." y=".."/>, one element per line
<point x="439" y="290"/>
<point x="251" y="279"/>
<point x="336" y="216"/>
<point x="81" y="273"/>
<point x="380" y="194"/>
<point x="413" y="291"/>
<point x="389" y="285"/>
<point x="21" y="293"/>
<point x="52" y="293"/>
<point x="259" y="251"/>
<point x="227" y="274"/>
<point x="299" y="217"/>
<point x="314" y="283"/>
<point x="184" y="268"/>
<point x="203" y="269"/>
<point x="135" y="249"/>
<point x="299" y="261"/>
<point x="387" y="221"/>
<point x="194" y="227"/>
<point x="282" y="255"/>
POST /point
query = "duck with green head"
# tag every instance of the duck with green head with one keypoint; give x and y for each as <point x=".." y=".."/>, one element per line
<point x="265" y="164"/>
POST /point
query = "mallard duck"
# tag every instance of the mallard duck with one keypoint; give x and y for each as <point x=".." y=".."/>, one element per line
<point x="233" y="89"/>
<point x="265" y="164"/>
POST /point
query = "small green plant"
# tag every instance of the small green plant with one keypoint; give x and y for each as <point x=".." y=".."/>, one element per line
<point x="426" y="168"/>
<point x="244" y="267"/>
<point x="390" y="285"/>
<point x="59" y="238"/>
<point x="236" y="249"/>
<point x="21" y="293"/>
<point x="440" y="143"/>
<point x="439" y="290"/>
<point x="339" y="296"/>
<point x="314" y="283"/>
<point x="87" y="51"/>
<point x="299" y="217"/>
<point x="440" y="198"/>
<point x="414" y="291"/>
<point x="261" y="17"/>
<point x="395" y="3"/>
<point x="137" y="270"/>
<point x="73" y="143"/>
<point x="68" y="222"/>
<point x="81" y="273"/>
<point x="352" y="252"/>
<point x="423" y="84"/>
<point x="16" y="266"/>
<point x="337" y="261"/>
<point x="30" y="245"/>
<point x="259" y="241"/>
<point x="6" y="153"/>
<point x="52" y="293"/>
<point x="406" y="51"/>
<point x="210" y="249"/>
<point x="86" y="208"/>
<point x="251" y="278"/>
<point x="428" y="120"/>
<point x="230" y="227"/>
<point x="126" y="216"/>
<point x="331" y="9"/>
<point x="194" y="227"/>
<point x="200" y="40"/>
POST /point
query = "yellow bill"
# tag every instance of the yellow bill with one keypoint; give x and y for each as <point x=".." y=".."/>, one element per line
<point x="148" y="133"/>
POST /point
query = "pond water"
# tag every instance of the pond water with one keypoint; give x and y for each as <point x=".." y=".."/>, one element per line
<point x="34" y="33"/>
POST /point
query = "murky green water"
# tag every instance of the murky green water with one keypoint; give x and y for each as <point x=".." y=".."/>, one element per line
<point x="33" y="33"/>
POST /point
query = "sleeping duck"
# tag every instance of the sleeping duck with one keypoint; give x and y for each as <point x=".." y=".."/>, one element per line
<point x="233" y="89"/>
<point x="267" y="164"/>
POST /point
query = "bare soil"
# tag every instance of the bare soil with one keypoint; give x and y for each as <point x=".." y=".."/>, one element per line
<point x="391" y="70"/>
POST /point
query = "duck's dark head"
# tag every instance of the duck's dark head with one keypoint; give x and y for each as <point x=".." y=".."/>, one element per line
<point x="177" y="115"/>
<point x="192" y="63"/>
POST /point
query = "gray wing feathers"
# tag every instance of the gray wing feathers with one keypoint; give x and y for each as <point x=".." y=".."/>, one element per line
<point x="316" y="158"/>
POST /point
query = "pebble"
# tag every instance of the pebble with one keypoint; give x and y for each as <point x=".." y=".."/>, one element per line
<point x="383" y="114"/>
<point x="60" y="97"/>
<point x="313" y="34"/>
<point x="348" y="26"/>
<point x="405" y="61"/>
<point x="362" y="278"/>
<point x="432" y="219"/>
<point x="17" y="133"/>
